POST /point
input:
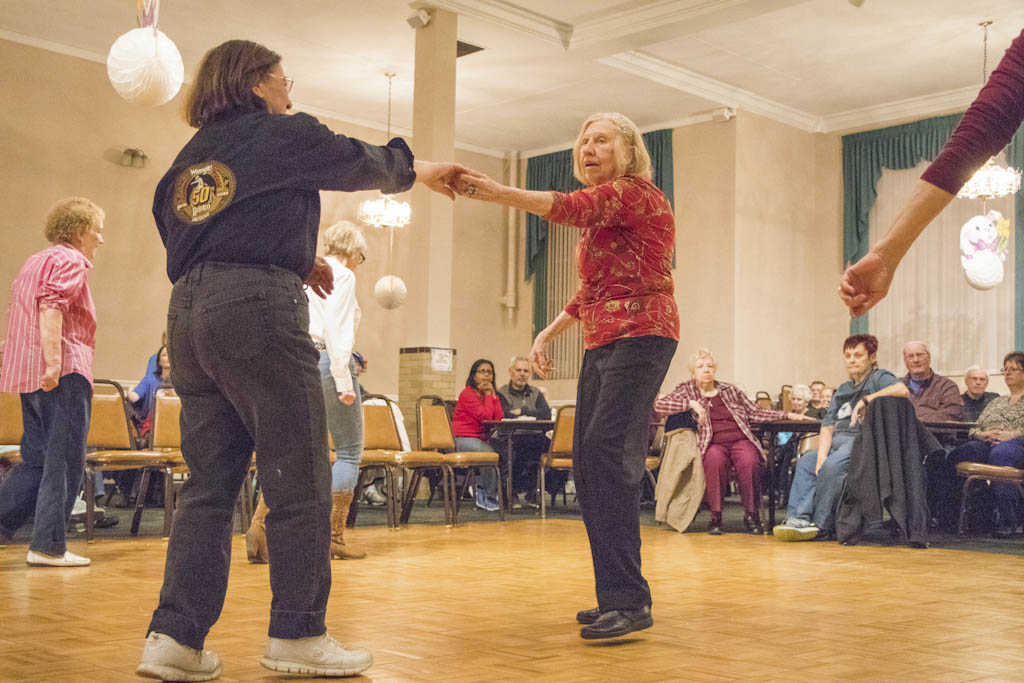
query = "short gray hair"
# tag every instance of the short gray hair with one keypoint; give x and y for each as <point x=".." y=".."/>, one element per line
<point x="975" y="368"/>
<point x="927" y="348"/>
<point x="516" y="359"/>
<point x="802" y="390"/>
<point x="343" y="239"/>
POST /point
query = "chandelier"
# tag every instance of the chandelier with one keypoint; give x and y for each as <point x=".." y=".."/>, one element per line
<point x="991" y="181"/>
<point x="385" y="212"/>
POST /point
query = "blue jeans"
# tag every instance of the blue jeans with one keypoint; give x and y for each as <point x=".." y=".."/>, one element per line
<point x="53" y="457"/>
<point x="246" y="371"/>
<point x="346" y="426"/>
<point x="485" y="481"/>
<point x="813" y="497"/>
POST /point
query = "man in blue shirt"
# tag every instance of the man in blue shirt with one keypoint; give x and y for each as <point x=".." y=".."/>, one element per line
<point x="819" y="476"/>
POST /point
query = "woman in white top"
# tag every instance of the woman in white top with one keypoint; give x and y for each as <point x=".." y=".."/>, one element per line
<point x="332" y="325"/>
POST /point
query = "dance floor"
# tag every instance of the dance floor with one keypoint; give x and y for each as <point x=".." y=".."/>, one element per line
<point x="496" y="602"/>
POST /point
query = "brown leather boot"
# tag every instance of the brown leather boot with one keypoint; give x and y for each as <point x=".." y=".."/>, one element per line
<point x="340" y="502"/>
<point x="256" y="536"/>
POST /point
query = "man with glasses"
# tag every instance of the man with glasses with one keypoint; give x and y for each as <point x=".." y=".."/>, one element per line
<point x="997" y="439"/>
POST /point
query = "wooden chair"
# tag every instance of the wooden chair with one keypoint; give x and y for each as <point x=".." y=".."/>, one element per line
<point x="763" y="400"/>
<point x="10" y="431"/>
<point x="434" y="433"/>
<point x="785" y="403"/>
<point x="559" y="455"/>
<point x="382" y="448"/>
<point x="976" y="471"/>
<point x="111" y="432"/>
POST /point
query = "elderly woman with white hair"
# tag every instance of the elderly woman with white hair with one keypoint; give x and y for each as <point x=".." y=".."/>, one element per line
<point x="724" y="436"/>
<point x="630" y="322"/>
<point x="332" y="325"/>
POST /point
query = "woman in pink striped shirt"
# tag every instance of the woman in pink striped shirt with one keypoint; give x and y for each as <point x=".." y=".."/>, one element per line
<point x="51" y="330"/>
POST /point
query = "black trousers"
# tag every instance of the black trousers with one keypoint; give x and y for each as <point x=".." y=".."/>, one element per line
<point x="246" y="370"/>
<point x="617" y="387"/>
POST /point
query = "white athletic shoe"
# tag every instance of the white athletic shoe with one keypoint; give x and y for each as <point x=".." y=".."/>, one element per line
<point x="165" y="659"/>
<point x="319" y="655"/>
<point x="68" y="559"/>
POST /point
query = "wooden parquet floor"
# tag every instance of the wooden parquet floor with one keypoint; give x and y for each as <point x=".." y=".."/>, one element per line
<point x="493" y="602"/>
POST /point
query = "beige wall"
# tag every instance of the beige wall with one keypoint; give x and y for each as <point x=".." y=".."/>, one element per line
<point x="758" y="212"/>
<point x="62" y="134"/>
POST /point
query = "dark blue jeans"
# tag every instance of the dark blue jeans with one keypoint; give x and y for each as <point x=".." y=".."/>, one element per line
<point x="46" y="483"/>
<point x="617" y="387"/>
<point x="246" y="370"/>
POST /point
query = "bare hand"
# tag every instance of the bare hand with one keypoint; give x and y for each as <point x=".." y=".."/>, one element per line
<point x="997" y="435"/>
<point x="51" y="377"/>
<point x="821" y="461"/>
<point x="516" y="411"/>
<point x="858" y="412"/>
<point x="347" y="397"/>
<point x="798" y="417"/>
<point x="485" y="387"/>
<point x="539" y="360"/>
<point x="439" y="177"/>
<point x="699" y="411"/>
<point x="865" y="283"/>
<point x="477" y="185"/>
<point x="321" y="278"/>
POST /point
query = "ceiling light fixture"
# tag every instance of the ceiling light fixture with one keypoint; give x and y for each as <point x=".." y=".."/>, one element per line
<point x="385" y="211"/>
<point x="991" y="180"/>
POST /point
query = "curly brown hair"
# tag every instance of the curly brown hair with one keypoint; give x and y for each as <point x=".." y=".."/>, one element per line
<point x="71" y="218"/>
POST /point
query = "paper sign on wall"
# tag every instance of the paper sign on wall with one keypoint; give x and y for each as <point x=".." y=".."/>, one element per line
<point x="441" y="360"/>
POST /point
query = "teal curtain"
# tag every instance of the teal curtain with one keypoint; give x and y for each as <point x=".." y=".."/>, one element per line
<point x="899" y="148"/>
<point x="554" y="172"/>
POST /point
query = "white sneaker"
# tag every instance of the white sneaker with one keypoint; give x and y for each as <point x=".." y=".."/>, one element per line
<point x="68" y="559"/>
<point x="374" y="497"/>
<point x="165" y="659"/>
<point x="319" y="655"/>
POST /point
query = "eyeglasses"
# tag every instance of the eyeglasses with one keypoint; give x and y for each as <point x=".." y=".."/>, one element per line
<point x="288" y="83"/>
<point x="1012" y="368"/>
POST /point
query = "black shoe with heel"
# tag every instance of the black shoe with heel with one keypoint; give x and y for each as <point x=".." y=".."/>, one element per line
<point x="618" y="622"/>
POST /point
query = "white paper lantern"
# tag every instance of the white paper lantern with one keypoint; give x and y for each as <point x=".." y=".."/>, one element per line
<point x="390" y="292"/>
<point x="983" y="246"/>
<point x="145" y="67"/>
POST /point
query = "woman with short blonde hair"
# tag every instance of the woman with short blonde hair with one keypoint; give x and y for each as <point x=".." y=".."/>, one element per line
<point x="344" y="239"/>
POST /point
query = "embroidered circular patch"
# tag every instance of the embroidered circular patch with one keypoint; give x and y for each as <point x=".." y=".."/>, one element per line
<point x="202" y="191"/>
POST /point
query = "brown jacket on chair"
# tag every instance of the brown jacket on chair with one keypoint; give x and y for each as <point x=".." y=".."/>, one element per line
<point x="680" y="480"/>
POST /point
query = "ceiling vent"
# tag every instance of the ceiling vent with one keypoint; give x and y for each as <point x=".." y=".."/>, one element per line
<point x="462" y="49"/>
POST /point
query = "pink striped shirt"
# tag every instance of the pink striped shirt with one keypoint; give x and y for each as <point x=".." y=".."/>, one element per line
<point x="56" y="277"/>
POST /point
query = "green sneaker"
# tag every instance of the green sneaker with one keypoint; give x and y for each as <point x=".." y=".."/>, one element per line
<point x="795" y="529"/>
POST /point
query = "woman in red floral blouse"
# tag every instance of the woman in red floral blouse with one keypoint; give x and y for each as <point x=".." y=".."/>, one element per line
<point x="630" y="329"/>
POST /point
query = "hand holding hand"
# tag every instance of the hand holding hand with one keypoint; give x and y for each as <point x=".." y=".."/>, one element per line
<point x="439" y="177"/>
<point x="865" y="283"/>
<point x="476" y="185"/>
<point x="321" y="278"/>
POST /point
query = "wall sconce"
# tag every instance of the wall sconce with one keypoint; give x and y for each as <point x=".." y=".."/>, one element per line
<point x="135" y="158"/>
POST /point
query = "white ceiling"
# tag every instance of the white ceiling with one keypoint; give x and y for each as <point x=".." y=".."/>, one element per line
<point x="817" y="64"/>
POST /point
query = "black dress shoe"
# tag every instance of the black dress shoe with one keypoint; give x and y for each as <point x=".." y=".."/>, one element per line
<point x="715" y="525"/>
<point x="618" y="622"/>
<point x="588" y="616"/>
<point x="753" y="523"/>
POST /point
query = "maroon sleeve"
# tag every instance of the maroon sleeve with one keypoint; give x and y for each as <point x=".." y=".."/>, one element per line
<point x="988" y="125"/>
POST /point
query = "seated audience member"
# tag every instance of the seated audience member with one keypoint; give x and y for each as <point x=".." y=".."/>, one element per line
<point x="826" y="396"/>
<point x="724" y="436"/>
<point x="996" y="439"/>
<point x="814" y="406"/>
<point x="519" y="399"/>
<point x="976" y="398"/>
<point x="819" y="476"/>
<point x="935" y="398"/>
<point x="478" y="402"/>
<point x="143" y="395"/>
<point x="817" y="402"/>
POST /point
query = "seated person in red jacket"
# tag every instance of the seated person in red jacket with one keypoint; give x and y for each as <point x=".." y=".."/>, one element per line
<point x="478" y="402"/>
<point x="935" y="398"/>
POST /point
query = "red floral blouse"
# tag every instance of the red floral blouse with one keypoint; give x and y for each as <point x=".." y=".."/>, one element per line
<point x="623" y="258"/>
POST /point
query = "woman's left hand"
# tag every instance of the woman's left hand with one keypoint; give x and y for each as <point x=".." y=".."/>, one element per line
<point x="321" y="278"/>
<point x="477" y="185"/>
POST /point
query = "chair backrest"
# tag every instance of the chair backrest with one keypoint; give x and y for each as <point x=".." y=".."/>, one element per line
<point x="561" y="440"/>
<point x="110" y="425"/>
<point x="10" y="419"/>
<point x="784" y="400"/>
<point x="167" y="422"/>
<point x="763" y="400"/>
<point x="434" y="430"/>
<point x="380" y="431"/>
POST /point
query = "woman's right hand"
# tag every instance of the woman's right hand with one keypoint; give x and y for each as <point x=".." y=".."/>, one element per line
<point x="485" y="387"/>
<point x="699" y="411"/>
<point x="347" y="397"/>
<point x="477" y="185"/>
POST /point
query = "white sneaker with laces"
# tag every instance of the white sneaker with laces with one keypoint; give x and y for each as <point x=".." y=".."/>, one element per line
<point x="165" y="659"/>
<point x="68" y="559"/>
<point x="319" y="655"/>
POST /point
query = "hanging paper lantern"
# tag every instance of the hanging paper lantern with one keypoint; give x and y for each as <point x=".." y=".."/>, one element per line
<point x="983" y="244"/>
<point x="390" y="292"/>
<point x="145" y="67"/>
